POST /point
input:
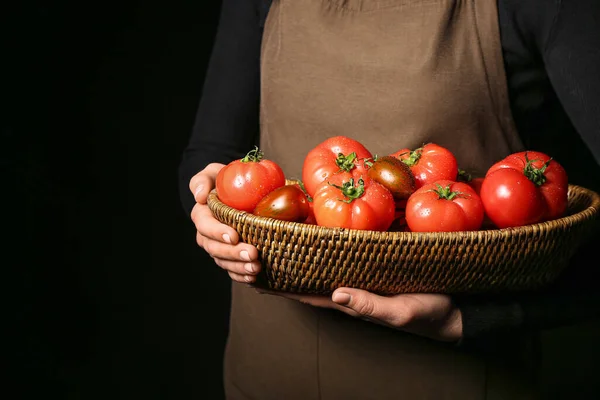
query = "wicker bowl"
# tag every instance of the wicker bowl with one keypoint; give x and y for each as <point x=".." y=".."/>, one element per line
<point x="303" y="258"/>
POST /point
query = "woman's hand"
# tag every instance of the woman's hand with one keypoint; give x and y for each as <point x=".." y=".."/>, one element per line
<point x="430" y="315"/>
<point x="220" y="241"/>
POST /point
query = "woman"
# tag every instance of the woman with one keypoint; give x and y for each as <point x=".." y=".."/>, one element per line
<point x="482" y="78"/>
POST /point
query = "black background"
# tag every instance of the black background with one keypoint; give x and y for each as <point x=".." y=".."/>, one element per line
<point x="107" y="294"/>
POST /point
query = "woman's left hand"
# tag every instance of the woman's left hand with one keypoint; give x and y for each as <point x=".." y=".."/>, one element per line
<point x="430" y="315"/>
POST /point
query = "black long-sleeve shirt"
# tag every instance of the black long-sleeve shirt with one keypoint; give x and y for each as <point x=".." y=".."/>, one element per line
<point x="552" y="58"/>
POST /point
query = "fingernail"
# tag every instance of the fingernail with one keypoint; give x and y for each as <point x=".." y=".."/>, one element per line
<point x="250" y="268"/>
<point x="245" y="255"/>
<point x="198" y="190"/>
<point x="226" y="238"/>
<point x="248" y="278"/>
<point x="341" y="298"/>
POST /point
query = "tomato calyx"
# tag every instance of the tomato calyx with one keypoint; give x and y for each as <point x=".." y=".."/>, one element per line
<point x="369" y="161"/>
<point x="350" y="191"/>
<point x="446" y="193"/>
<point x="535" y="175"/>
<point x="346" y="163"/>
<point x="303" y="188"/>
<point x="254" y="155"/>
<point x="464" y="176"/>
<point x="413" y="157"/>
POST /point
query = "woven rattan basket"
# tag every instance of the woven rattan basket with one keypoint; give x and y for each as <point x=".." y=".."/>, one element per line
<point x="305" y="258"/>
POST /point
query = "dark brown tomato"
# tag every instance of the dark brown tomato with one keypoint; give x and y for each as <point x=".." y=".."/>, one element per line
<point x="394" y="175"/>
<point x="286" y="203"/>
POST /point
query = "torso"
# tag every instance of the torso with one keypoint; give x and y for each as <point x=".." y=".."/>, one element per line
<point x="391" y="74"/>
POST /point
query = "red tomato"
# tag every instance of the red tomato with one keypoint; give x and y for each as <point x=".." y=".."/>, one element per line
<point x="430" y="163"/>
<point x="363" y="204"/>
<point x="334" y="155"/>
<point x="444" y="206"/>
<point x="311" y="220"/>
<point x="286" y="203"/>
<point x="475" y="183"/>
<point x="524" y="188"/>
<point x="242" y="183"/>
<point x="399" y="223"/>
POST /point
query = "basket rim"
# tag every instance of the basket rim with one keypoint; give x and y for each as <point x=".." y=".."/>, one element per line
<point x="590" y="212"/>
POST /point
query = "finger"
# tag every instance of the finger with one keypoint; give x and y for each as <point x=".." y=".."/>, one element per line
<point x="208" y="226"/>
<point x="204" y="181"/>
<point x="393" y="311"/>
<point x="320" y="301"/>
<point x="239" y="267"/>
<point x="242" y="278"/>
<point x="313" y="300"/>
<point x="240" y="252"/>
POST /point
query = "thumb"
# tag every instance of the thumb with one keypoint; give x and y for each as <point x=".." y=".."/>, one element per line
<point x="370" y="306"/>
<point x="363" y="303"/>
<point x="204" y="181"/>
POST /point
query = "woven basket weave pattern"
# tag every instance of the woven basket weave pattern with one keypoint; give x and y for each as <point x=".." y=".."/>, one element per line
<point x="311" y="259"/>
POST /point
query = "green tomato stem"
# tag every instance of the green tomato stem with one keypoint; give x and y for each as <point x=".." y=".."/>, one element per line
<point x="414" y="157"/>
<point x="446" y="193"/>
<point x="254" y="155"/>
<point x="303" y="188"/>
<point x="346" y="163"/>
<point x="350" y="191"/>
<point x="535" y="175"/>
<point x="369" y="162"/>
<point x="464" y="175"/>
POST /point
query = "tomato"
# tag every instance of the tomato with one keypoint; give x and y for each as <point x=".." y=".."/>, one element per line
<point x="524" y="188"/>
<point x="399" y="223"/>
<point x="311" y="220"/>
<point x="474" y="182"/>
<point x="429" y="163"/>
<point x="311" y="213"/>
<point x="242" y="183"/>
<point x="334" y="155"/>
<point x="444" y="206"/>
<point x="392" y="173"/>
<point x="286" y="203"/>
<point x="362" y="204"/>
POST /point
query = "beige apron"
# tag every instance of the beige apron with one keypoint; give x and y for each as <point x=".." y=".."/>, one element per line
<point x="391" y="74"/>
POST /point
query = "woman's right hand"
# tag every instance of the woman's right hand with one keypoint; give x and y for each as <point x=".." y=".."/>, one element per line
<point x="220" y="241"/>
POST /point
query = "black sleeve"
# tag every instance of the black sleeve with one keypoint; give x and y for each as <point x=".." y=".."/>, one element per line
<point x="226" y="124"/>
<point x="571" y="54"/>
<point x="566" y="33"/>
